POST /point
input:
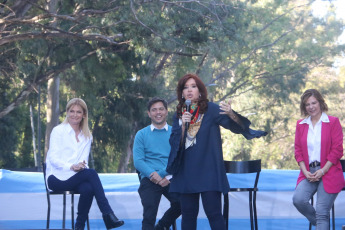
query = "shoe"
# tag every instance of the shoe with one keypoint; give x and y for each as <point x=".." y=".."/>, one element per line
<point x="160" y="227"/>
<point x="111" y="221"/>
<point x="78" y="228"/>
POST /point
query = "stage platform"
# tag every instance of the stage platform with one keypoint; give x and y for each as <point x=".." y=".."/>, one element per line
<point x="23" y="203"/>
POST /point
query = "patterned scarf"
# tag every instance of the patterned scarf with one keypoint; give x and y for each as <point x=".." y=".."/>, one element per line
<point x="194" y="125"/>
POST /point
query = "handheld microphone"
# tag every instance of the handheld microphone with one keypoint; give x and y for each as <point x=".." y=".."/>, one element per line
<point x="188" y="103"/>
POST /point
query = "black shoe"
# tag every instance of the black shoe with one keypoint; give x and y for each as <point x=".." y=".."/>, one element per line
<point x="79" y="228"/>
<point x="160" y="227"/>
<point x="111" y="221"/>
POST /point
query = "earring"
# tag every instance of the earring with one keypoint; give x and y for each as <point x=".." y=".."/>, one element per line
<point x="182" y="96"/>
<point x="199" y="95"/>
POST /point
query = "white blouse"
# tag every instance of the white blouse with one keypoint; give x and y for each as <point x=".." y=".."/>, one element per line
<point x="314" y="137"/>
<point x="65" y="150"/>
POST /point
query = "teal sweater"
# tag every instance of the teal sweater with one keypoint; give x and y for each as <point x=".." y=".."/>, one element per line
<point x="151" y="151"/>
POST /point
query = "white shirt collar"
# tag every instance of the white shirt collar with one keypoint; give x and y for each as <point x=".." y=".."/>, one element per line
<point x="324" y="118"/>
<point x="154" y="127"/>
<point x="70" y="130"/>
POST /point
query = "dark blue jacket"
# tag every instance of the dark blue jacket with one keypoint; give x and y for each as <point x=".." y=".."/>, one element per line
<point x="202" y="167"/>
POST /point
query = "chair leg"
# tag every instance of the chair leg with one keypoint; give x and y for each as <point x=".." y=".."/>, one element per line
<point x="251" y="210"/>
<point x="64" y="211"/>
<point x="333" y="217"/>
<point x="173" y="226"/>
<point x="312" y="203"/>
<point x="88" y="222"/>
<point x="48" y="212"/>
<point x="226" y="210"/>
<point x="255" y="214"/>
<point x="72" y="209"/>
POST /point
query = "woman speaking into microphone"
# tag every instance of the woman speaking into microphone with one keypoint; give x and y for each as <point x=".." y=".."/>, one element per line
<point x="196" y="157"/>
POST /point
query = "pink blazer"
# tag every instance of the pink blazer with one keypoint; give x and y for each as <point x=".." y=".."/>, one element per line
<point x="331" y="150"/>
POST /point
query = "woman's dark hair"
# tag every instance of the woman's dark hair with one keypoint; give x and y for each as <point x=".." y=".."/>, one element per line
<point x="202" y="103"/>
<point x="306" y="95"/>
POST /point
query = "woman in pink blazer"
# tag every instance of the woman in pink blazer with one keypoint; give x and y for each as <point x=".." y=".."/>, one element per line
<point x="318" y="149"/>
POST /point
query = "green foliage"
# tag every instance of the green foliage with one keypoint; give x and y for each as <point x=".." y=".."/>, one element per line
<point x="8" y="142"/>
<point x="16" y="135"/>
<point x="118" y="54"/>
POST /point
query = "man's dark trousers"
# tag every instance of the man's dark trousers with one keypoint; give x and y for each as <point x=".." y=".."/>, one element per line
<point x="150" y="194"/>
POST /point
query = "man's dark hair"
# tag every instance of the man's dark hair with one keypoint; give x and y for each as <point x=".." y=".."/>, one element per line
<point x="155" y="100"/>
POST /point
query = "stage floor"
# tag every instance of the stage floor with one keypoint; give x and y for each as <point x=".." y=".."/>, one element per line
<point x="240" y="224"/>
<point x="23" y="203"/>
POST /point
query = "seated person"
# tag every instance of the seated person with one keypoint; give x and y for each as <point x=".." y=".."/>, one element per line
<point x="67" y="168"/>
<point x="151" y="152"/>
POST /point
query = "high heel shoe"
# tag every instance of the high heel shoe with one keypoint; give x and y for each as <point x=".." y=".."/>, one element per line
<point x="160" y="227"/>
<point x="111" y="221"/>
<point x="79" y="228"/>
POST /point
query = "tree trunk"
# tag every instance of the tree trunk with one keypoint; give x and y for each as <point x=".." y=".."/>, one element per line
<point x="126" y="156"/>
<point x="33" y="136"/>
<point x="123" y="165"/>
<point x="53" y="110"/>
<point x="20" y="7"/>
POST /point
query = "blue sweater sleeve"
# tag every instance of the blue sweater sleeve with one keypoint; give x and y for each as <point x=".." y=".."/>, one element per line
<point x="139" y="155"/>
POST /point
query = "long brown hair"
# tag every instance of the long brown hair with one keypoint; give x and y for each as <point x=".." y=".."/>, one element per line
<point x="84" y="124"/>
<point x="308" y="93"/>
<point x="202" y="102"/>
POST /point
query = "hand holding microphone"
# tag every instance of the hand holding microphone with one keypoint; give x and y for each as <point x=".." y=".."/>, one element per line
<point x="187" y="117"/>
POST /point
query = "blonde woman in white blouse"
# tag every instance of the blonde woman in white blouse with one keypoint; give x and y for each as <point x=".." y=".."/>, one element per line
<point x="67" y="164"/>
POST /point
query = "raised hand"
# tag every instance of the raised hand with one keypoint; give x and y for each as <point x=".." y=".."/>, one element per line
<point x="226" y="107"/>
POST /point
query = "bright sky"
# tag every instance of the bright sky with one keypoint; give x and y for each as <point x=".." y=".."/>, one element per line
<point x="320" y="7"/>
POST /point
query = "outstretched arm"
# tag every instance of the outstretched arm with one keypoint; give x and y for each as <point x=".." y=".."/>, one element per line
<point x="225" y="106"/>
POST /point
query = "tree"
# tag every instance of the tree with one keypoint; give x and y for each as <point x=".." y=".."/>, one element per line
<point x="118" y="54"/>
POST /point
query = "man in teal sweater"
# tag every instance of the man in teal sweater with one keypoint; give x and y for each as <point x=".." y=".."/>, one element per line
<point x="150" y="153"/>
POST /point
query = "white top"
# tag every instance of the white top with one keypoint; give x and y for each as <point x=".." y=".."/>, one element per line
<point x="64" y="151"/>
<point x="314" y="137"/>
<point x="166" y="127"/>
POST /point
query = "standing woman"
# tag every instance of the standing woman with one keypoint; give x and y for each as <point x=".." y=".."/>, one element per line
<point x="201" y="171"/>
<point x="318" y="149"/>
<point x="67" y="167"/>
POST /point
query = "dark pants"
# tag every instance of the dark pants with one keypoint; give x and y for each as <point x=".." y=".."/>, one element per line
<point x="150" y="194"/>
<point x="212" y="203"/>
<point x="88" y="184"/>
